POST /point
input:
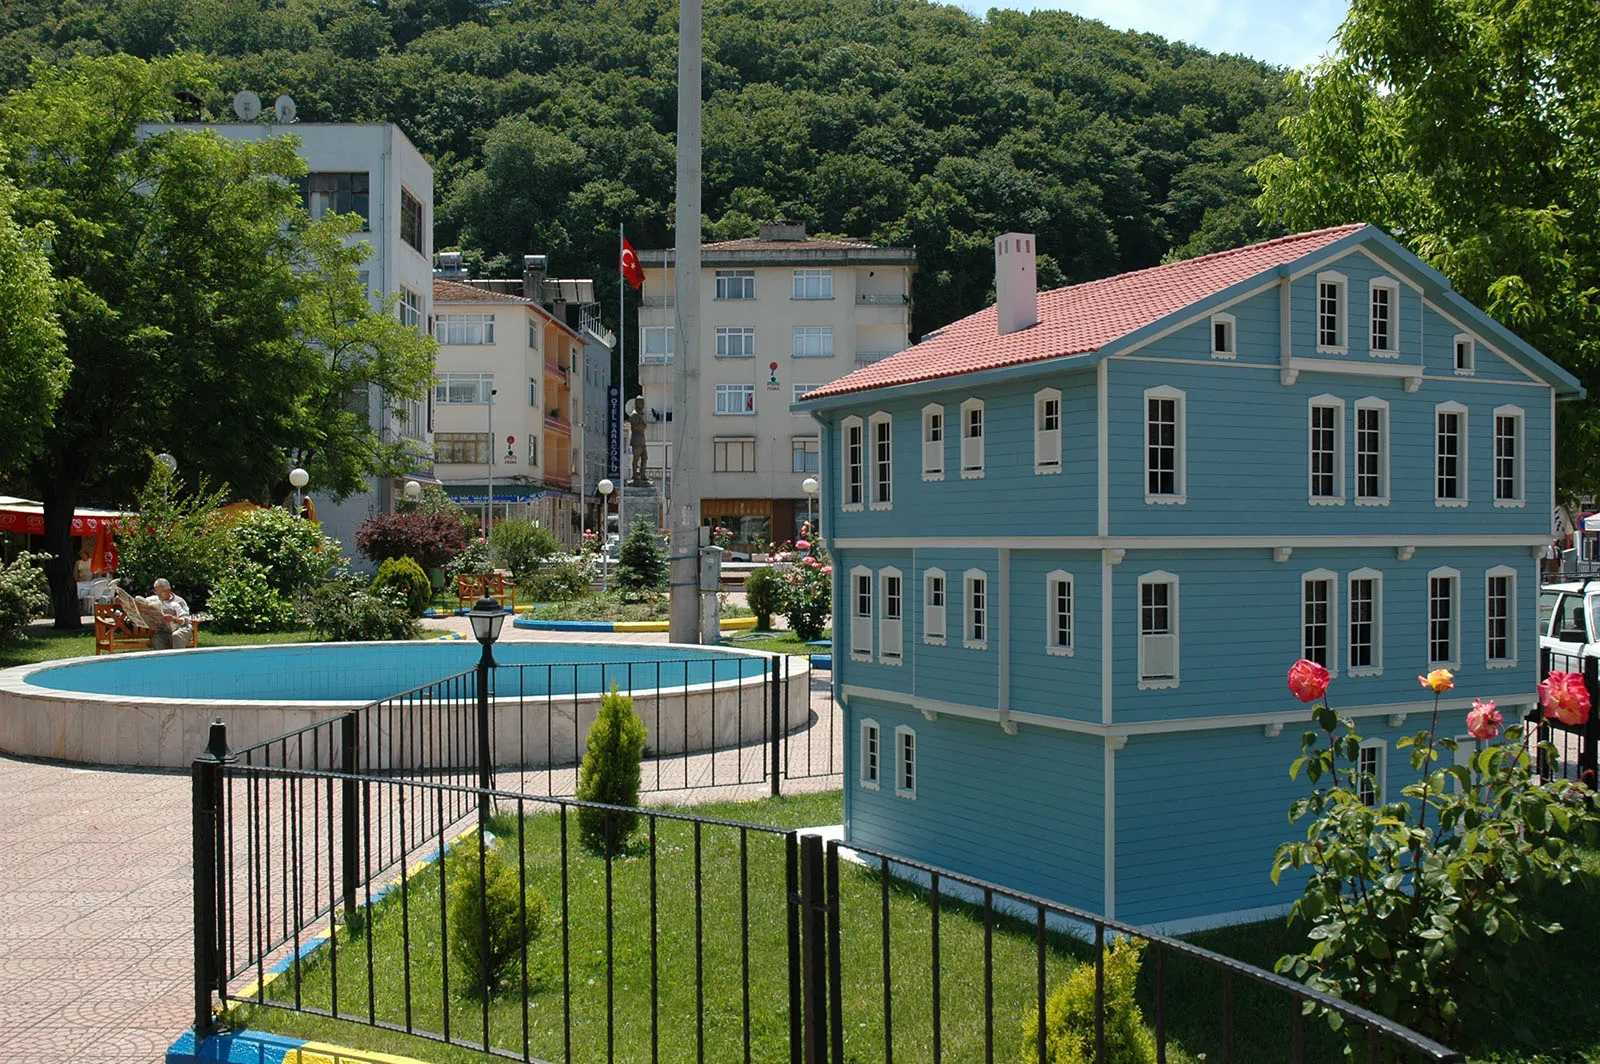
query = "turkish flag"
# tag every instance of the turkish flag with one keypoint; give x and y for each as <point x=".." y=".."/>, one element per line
<point x="632" y="272"/>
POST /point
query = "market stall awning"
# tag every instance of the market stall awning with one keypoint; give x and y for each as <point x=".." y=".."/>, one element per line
<point x="26" y="517"/>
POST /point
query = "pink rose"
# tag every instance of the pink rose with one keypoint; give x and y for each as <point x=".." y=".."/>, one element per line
<point x="802" y="544"/>
<point x="812" y="561"/>
<point x="827" y="570"/>
<point x="1308" y="681"/>
<point x="1565" y="698"/>
<point x="1483" y="720"/>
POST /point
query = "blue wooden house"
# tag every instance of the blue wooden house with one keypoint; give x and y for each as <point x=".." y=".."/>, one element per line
<point x="1080" y="536"/>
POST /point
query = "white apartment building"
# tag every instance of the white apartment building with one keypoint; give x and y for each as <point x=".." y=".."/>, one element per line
<point x="780" y="314"/>
<point x="508" y="349"/>
<point x="370" y="169"/>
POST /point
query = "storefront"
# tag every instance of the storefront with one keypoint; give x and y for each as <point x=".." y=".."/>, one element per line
<point x="756" y="523"/>
<point x="559" y="511"/>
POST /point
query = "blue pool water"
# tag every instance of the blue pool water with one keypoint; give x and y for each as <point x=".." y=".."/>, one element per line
<point x="366" y="672"/>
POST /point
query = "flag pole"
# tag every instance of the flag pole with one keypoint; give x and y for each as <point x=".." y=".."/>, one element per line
<point x="622" y="386"/>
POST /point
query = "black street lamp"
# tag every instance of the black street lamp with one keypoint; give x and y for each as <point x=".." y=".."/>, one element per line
<point x="486" y="616"/>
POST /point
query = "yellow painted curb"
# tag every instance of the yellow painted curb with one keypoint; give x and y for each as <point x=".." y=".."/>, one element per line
<point x="731" y="624"/>
<point x="324" y="1053"/>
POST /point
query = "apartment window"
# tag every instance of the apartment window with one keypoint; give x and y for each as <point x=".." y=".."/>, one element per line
<point x="1450" y="448"/>
<point x="869" y="754"/>
<point x="736" y="284"/>
<point x="971" y="439"/>
<point x="464" y="330"/>
<point x="1366" y="623"/>
<point x="1372" y="452"/>
<point x="806" y="454"/>
<point x="853" y="450"/>
<point x="412" y="225"/>
<point x="327" y="194"/>
<point x="881" y="427"/>
<point x="1318" y="622"/>
<point x="1058" y="590"/>
<point x="733" y="454"/>
<point x="1383" y="319"/>
<point x="533" y="392"/>
<point x="535" y="334"/>
<point x="861" y="614"/>
<point x="933" y="607"/>
<point x="1164" y="445"/>
<point x="976" y="635"/>
<point x="800" y="392"/>
<point x="736" y="399"/>
<point x="1466" y="354"/>
<point x="461" y="448"/>
<point x="1370" y="765"/>
<point x="1158" y="631"/>
<point x="1331" y="326"/>
<point x="813" y="284"/>
<point x="1500" y="621"/>
<point x="890" y="623"/>
<point x="905" y="768"/>
<point x="533" y="449"/>
<point x="463" y="388"/>
<point x="933" y="442"/>
<point x="1047" y="431"/>
<point x="1508" y="423"/>
<point x="1326" y="447"/>
<point x="410" y="308"/>
<point x="813" y="341"/>
<point x="1223" y="342"/>
<point x="1443" y="607"/>
<point x="736" y="343"/>
<point x="656" y="343"/>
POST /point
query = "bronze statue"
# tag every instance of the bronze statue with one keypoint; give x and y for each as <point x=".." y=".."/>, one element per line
<point x="636" y="424"/>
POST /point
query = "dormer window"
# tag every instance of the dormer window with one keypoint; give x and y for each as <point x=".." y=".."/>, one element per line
<point x="1466" y="354"/>
<point x="1383" y="318"/>
<point x="1332" y="311"/>
<point x="1223" y="344"/>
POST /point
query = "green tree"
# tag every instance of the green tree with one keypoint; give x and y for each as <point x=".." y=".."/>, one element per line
<point x="33" y="362"/>
<point x="641" y="563"/>
<point x="609" y="774"/>
<point x="1466" y="129"/>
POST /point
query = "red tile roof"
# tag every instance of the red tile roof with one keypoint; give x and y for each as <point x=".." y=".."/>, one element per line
<point x="456" y="292"/>
<point x="1081" y="318"/>
<point x="810" y="243"/>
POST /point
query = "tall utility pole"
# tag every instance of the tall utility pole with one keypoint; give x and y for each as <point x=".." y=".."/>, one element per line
<point x="684" y="504"/>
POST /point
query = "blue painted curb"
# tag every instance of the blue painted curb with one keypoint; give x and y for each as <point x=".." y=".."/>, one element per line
<point x="822" y="661"/>
<point x="244" y="1047"/>
<point x="565" y="626"/>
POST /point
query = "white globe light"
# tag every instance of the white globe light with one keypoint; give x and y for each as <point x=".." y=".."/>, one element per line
<point x="606" y="487"/>
<point x="413" y="489"/>
<point x="299" y="477"/>
<point x="810" y="485"/>
<point x="168" y="462"/>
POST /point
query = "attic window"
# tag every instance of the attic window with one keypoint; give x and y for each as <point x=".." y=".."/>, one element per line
<point x="1223" y="344"/>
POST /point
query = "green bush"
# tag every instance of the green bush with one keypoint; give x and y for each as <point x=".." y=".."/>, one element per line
<point x="1069" y="1014"/>
<point x="405" y="576"/>
<point x="761" y="590"/>
<point x="345" y="612"/>
<point x="474" y="560"/>
<point x="523" y="547"/>
<point x="561" y="582"/>
<point x="245" y="601"/>
<point x="641" y="567"/>
<point x="23" y="595"/>
<point x="291" y="553"/>
<point x="610" y="774"/>
<point x="515" y="917"/>
<point x="177" y="534"/>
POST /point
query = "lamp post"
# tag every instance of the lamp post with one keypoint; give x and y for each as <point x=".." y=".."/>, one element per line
<point x="299" y="478"/>
<point x="809" y="485"/>
<point x="606" y="488"/>
<point x="413" y="492"/>
<point x="488" y="524"/>
<point x="486" y="616"/>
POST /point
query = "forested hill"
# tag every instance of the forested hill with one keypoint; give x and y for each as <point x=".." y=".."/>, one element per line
<point x="899" y="121"/>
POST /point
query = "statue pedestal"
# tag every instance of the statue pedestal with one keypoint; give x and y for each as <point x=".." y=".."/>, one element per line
<point x="640" y="503"/>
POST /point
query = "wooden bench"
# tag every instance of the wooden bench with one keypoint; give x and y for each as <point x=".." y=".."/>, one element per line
<point x="469" y="589"/>
<point x="114" y="633"/>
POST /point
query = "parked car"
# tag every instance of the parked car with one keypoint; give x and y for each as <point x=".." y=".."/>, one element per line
<point x="1569" y="623"/>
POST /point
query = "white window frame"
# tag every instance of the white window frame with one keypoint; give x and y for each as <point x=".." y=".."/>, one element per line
<point x="933" y="422"/>
<point x="824" y="286"/>
<point x="1180" y="478"/>
<point x="731" y="284"/>
<point x="1376" y="668"/>
<point x="975" y="631"/>
<point x="726" y="337"/>
<point x="853" y="472"/>
<point x="1046" y="441"/>
<point x="1382" y="407"/>
<point x="1173" y="632"/>
<point x="1518" y="460"/>
<point x="1510" y="576"/>
<point x="1229" y="323"/>
<point x="972" y="447"/>
<point x="905" y="782"/>
<point x="1336" y="404"/>
<point x="1380" y="775"/>
<point x="861" y="623"/>
<point x="723" y="447"/>
<point x="869" y="764"/>
<point x="803" y="337"/>
<point x="1342" y="321"/>
<point x="800" y="391"/>
<point x="1462" y="465"/>
<point x="1053" y="615"/>
<point x="1390" y="285"/>
<point x="880" y="486"/>
<point x="1444" y="572"/>
<point x="798" y="446"/>
<point x="535" y="334"/>
<point x="1331" y="579"/>
<point x="478" y="325"/>
<point x="891" y="630"/>
<point x="934" y="616"/>
<point x="668" y="335"/>
<point x="483" y="384"/>
<point x="410" y="306"/>
<point x="1464" y="367"/>
<point x="745" y="391"/>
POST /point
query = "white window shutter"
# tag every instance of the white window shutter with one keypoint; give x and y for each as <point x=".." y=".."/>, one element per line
<point x="971" y="452"/>
<point x="933" y="456"/>
<point x="1159" y="654"/>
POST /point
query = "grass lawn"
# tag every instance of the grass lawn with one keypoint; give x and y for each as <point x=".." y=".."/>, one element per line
<point x="778" y="642"/>
<point x="608" y="606"/>
<point x="46" y="644"/>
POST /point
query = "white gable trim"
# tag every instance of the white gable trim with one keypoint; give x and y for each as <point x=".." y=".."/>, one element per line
<point x="1481" y="344"/>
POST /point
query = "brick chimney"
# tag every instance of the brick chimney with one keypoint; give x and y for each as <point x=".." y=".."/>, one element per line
<point x="1016" y="281"/>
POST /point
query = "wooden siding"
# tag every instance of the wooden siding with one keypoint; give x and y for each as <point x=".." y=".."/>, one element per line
<point x="1051" y="684"/>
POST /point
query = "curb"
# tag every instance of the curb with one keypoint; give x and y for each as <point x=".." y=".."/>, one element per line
<point x="259" y="1047"/>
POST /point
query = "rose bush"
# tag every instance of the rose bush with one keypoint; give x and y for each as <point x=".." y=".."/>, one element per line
<point x="805" y="589"/>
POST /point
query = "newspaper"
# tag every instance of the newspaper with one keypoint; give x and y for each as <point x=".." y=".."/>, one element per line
<point x="143" y="612"/>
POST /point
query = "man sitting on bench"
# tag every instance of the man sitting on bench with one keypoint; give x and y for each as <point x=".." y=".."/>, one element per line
<point x="176" y="630"/>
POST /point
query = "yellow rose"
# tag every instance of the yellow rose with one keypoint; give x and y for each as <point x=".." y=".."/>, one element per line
<point x="1438" y="681"/>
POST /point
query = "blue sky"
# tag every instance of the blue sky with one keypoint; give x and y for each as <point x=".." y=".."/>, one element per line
<point x="1292" y="33"/>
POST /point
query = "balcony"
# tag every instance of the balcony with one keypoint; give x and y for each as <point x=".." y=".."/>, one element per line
<point x="867" y="356"/>
<point x="880" y="299"/>
<point x="556" y="423"/>
<point x="552" y="369"/>
<point x="656" y="300"/>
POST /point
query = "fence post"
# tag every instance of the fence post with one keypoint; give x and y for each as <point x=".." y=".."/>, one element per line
<point x="1589" y="738"/>
<point x="814" y="949"/>
<point x="350" y="814"/>
<point x="770" y="670"/>
<point x="206" y="804"/>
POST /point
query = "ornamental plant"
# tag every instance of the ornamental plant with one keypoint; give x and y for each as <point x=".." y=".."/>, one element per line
<point x="406" y="578"/>
<point x="1416" y="900"/>
<point x="292" y="554"/>
<point x="806" y="586"/>
<point x="488" y="888"/>
<point x="609" y="774"/>
<point x="23" y="594"/>
<point x="641" y="569"/>
<point x="432" y="538"/>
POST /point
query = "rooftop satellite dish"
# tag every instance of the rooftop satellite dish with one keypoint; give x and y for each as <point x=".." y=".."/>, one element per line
<point x="247" y="105"/>
<point x="284" y="106"/>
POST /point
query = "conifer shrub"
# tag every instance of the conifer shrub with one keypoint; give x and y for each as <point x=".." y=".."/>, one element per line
<point x="610" y="775"/>
<point x="761" y="590"/>
<point x="641" y="568"/>
<point x="1069" y="1014"/>
<point x="492" y="894"/>
<point x="405" y="576"/>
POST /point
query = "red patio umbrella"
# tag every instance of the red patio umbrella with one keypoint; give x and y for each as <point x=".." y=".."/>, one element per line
<point x="104" y="559"/>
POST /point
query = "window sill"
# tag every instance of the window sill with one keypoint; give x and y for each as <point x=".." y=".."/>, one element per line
<point x="1356" y="674"/>
<point x="745" y="413"/>
<point x="1060" y="652"/>
<point x="933" y="640"/>
<point x="811" y="299"/>
<point x="972" y="474"/>
<point x="799" y="355"/>
<point x="1509" y="504"/>
<point x="852" y="508"/>
<point x="1451" y="504"/>
<point x="1165" y="500"/>
<point x="1045" y="470"/>
<point x="1380" y="352"/>
<point x="751" y="355"/>
<point x="968" y="644"/>
<point x="1508" y="663"/>
<point x="1466" y="372"/>
<point x="882" y="506"/>
<point x="929" y="478"/>
<point x="1329" y="501"/>
<point x="867" y="785"/>
<point x="864" y="656"/>
<point x="1323" y="349"/>
<point x="1383" y="501"/>
<point x="908" y="795"/>
<point x="1453" y="666"/>
<point x="887" y="660"/>
<point x="1226" y="356"/>
<point x="1158" y="685"/>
